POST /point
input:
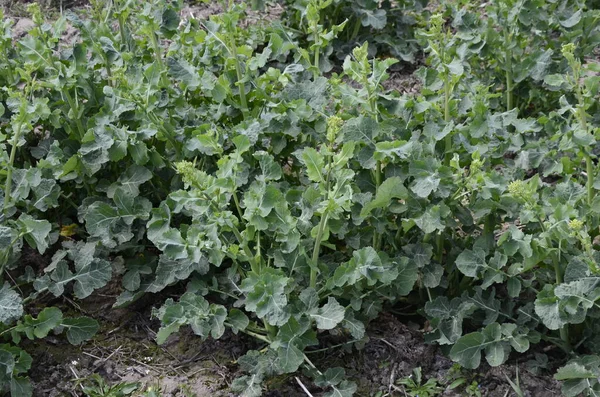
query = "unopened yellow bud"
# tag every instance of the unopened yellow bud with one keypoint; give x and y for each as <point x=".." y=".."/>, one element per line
<point x="334" y="125"/>
<point x="576" y="225"/>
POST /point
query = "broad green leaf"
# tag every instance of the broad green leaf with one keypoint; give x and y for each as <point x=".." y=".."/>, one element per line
<point x="80" y="329"/>
<point x="391" y="188"/>
<point x="548" y="309"/>
<point x="344" y="389"/>
<point x="130" y="181"/>
<point x="332" y="376"/>
<point x="89" y="277"/>
<point x="355" y="327"/>
<point x="543" y="61"/>
<point x="407" y="276"/>
<point x="374" y="18"/>
<point x="36" y="231"/>
<point x="431" y="219"/>
<point x="291" y="340"/>
<point x="329" y="315"/>
<point x="471" y="262"/>
<point x="265" y="295"/>
<point x="238" y="320"/>
<point x="572" y="20"/>
<point x="314" y="163"/>
<point x="426" y="176"/>
<point x="7" y="362"/>
<point x="455" y="67"/>
<point x="365" y="263"/>
<point x="182" y="71"/>
<point x="47" y="320"/>
<point x="248" y="385"/>
<point x="574" y="370"/>
<point x="467" y="350"/>
<point x="204" y="318"/>
<point x="20" y="386"/>
<point x="360" y="130"/>
<point x="11" y="304"/>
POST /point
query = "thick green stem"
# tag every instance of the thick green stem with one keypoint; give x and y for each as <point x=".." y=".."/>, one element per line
<point x="240" y="76"/>
<point x="124" y="42"/>
<point x="447" y="154"/>
<point x="376" y="235"/>
<point x="108" y="72"/>
<point x="167" y="131"/>
<point x="316" y="71"/>
<point x="237" y="206"/>
<point x="75" y="109"/>
<point x="253" y="263"/>
<point x="448" y="139"/>
<point x="356" y="29"/>
<point x="589" y="164"/>
<point x="238" y="235"/>
<point x="316" y="249"/>
<point x="253" y="334"/>
<point x="509" y="94"/>
<point x="564" y="331"/>
<point x="9" y="71"/>
<point x="509" y="76"/>
<point x="11" y="161"/>
<point x="271" y="330"/>
<point x="156" y="48"/>
<point x="558" y="274"/>
<point x="589" y="169"/>
<point x="231" y="30"/>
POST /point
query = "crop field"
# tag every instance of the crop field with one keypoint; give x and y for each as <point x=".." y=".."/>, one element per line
<point x="296" y="198"/>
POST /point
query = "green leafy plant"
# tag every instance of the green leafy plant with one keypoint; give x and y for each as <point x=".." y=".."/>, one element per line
<point x="96" y="386"/>
<point x="415" y="387"/>
<point x="213" y="156"/>
<point x="580" y="376"/>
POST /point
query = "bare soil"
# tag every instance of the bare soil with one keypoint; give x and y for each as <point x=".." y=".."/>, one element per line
<point x="125" y="351"/>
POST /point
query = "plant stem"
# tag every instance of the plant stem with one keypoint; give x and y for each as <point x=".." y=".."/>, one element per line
<point x="509" y="75"/>
<point x="156" y="48"/>
<point x="238" y="67"/>
<point x="11" y="161"/>
<point x="271" y="330"/>
<point x="447" y="155"/>
<point x="240" y="77"/>
<point x="124" y="42"/>
<point x="509" y="95"/>
<point x="75" y="108"/>
<point x="589" y="168"/>
<point x="167" y="131"/>
<point x="237" y="206"/>
<point x="376" y="235"/>
<point x="9" y="70"/>
<point x="589" y="165"/>
<point x="315" y="30"/>
<point x="253" y="334"/>
<point x="448" y="139"/>
<point x="564" y="331"/>
<point x="253" y="264"/>
<point x="315" y="254"/>
<point x="247" y="251"/>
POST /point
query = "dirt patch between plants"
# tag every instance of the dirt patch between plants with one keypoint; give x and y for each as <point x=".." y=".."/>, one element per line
<point x="125" y="351"/>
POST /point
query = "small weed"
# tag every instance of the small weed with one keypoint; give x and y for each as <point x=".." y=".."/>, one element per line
<point x="516" y="385"/>
<point x="96" y="386"/>
<point x="415" y="387"/>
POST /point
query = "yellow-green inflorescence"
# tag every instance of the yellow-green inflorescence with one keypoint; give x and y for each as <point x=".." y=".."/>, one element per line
<point x="190" y="175"/>
<point x="334" y="126"/>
